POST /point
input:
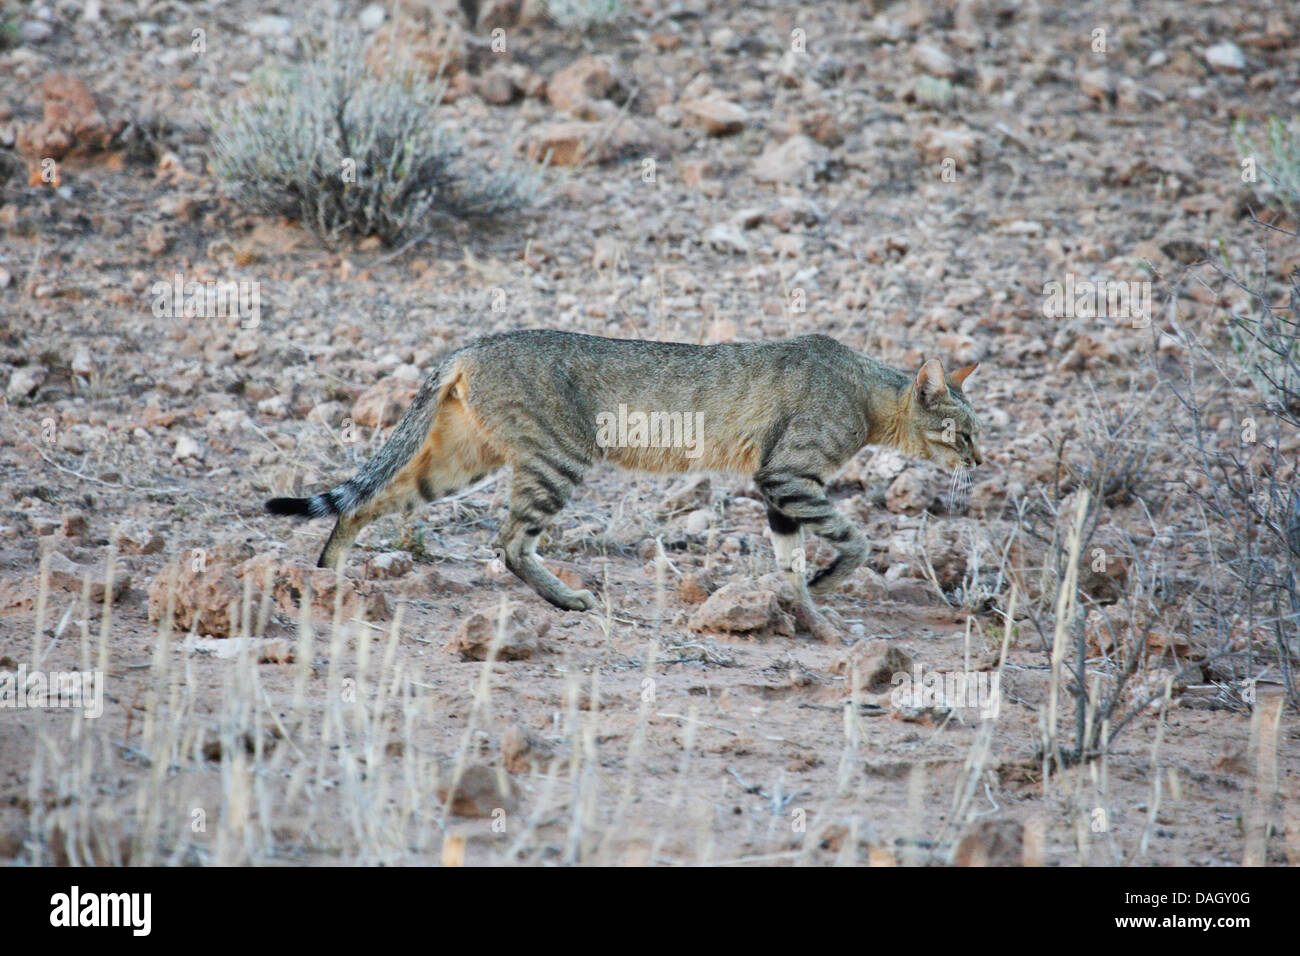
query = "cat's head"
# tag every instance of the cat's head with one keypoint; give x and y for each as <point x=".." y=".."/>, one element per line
<point x="941" y="423"/>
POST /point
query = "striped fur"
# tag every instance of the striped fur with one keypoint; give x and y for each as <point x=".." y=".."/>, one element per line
<point x="791" y="413"/>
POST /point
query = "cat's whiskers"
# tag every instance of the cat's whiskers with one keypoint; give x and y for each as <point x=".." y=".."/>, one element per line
<point x="959" y="485"/>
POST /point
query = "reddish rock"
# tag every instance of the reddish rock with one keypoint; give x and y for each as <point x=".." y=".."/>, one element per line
<point x="715" y="115"/>
<point x="742" y="608"/>
<point x="876" y="663"/>
<point x="430" y="42"/>
<point x="206" y="590"/>
<point x="574" y="87"/>
<point x="202" y="589"/>
<point x="522" y="638"/>
<point x="906" y="494"/>
<point x="72" y="124"/>
<point x="384" y="402"/>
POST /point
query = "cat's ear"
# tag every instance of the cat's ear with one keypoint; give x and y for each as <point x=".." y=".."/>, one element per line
<point x="958" y="377"/>
<point x="930" y="384"/>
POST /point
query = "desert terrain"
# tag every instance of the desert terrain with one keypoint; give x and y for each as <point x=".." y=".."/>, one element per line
<point x="910" y="178"/>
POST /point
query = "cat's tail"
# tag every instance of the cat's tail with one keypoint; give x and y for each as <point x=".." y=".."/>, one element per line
<point x="407" y="438"/>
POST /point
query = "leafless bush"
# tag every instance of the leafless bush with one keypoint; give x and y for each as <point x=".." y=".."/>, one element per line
<point x="1240" y="426"/>
<point x="1102" y="598"/>
<point x="346" y="151"/>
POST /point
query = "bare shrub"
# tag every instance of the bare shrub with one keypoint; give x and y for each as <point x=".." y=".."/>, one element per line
<point x="348" y="152"/>
<point x="1105" y="605"/>
<point x="1240" y="428"/>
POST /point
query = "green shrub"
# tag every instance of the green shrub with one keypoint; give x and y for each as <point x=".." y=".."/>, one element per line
<point x="1277" y="162"/>
<point x="347" y="151"/>
<point x="584" y="14"/>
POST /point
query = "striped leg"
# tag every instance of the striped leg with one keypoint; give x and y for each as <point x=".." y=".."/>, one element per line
<point x="787" y="541"/>
<point x="542" y="484"/>
<point x="800" y="498"/>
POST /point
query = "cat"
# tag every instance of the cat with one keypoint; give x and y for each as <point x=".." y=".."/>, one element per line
<point x="550" y="404"/>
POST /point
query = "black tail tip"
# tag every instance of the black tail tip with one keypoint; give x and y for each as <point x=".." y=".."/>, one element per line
<point x="290" y="507"/>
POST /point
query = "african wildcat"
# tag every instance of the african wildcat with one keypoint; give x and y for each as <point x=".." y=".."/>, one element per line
<point x="549" y="404"/>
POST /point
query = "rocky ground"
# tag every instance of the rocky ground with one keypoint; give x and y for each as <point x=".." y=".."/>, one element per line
<point x="906" y="177"/>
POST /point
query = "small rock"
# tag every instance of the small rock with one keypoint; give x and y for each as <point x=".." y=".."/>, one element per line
<point x="270" y="26"/>
<point x="715" y="115"/>
<point x="561" y="144"/>
<point x="187" y="448"/>
<point x="522" y="639"/>
<point x="725" y="39"/>
<point x="521" y="750"/>
<point x="694" y="587"/>
<point x="796" y="210"/>
<point x="933" y="60"/>
<point x="494" y="14"/>
<point x="201" y="589"/>
<point x="384" y="402"/>
<point x="791" y="68"/>
<point x="75" y="525"/>
<point x="264" y="650"/>
<point x="24" y="382"/>
<point x="372" y="17"/>
<point x="330" y="594"/>
<point x="906" y="494"/>
<point x="72" y="120"/>
<point x="936" y="145"/>
<point x="1225" y="57"/>
<point x="795" y="161"/>
<point x="496" y="87"/>
<point x="82" y="364"/>
<point x="277" y="406"/>
<point x="876" y="662"/>
<point x="933" y="91"/>
<point x="579" y="83"/>
<point x="913" y="591"/>
<point x="136" y="539"/>
<point x="698" y="521"/>
<point x="66" y="573"/>
<point x="433" y="42"/>
<point x="743" y="609"/>
<point x="35" y="31"/>
<point x="1098" y="85"/>
<point x="390" y="564"/>
<point x="726" y="237"/>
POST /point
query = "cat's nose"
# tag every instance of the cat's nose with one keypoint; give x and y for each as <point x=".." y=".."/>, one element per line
<point x="975" y="453"/>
